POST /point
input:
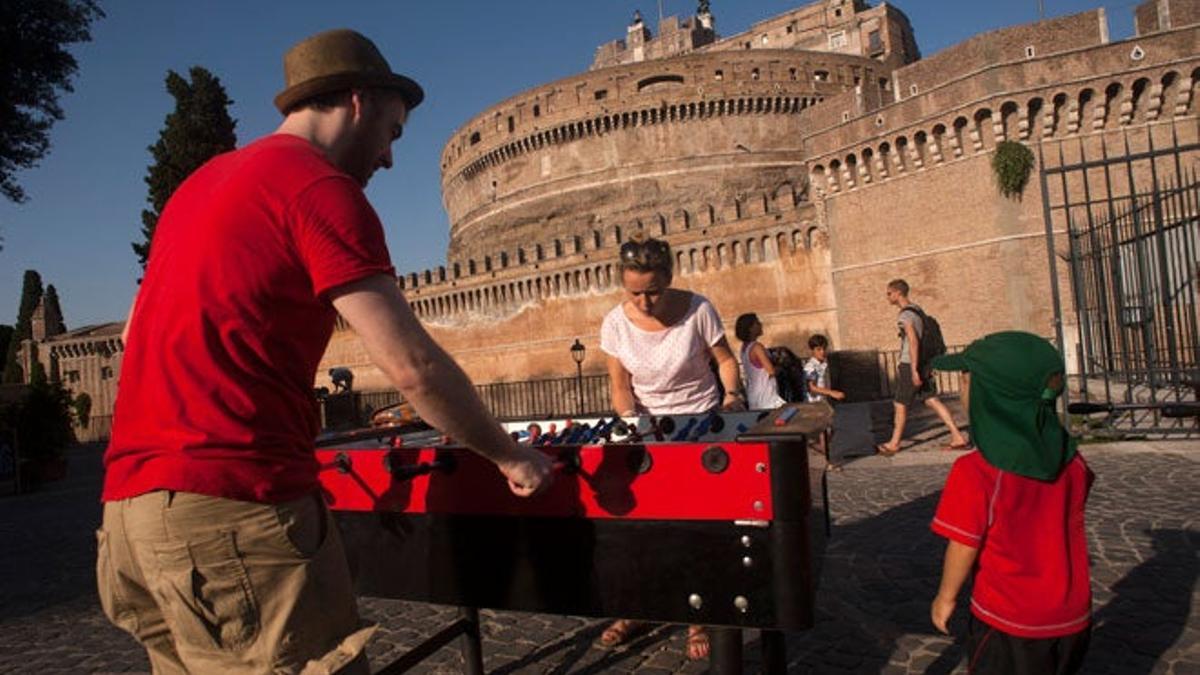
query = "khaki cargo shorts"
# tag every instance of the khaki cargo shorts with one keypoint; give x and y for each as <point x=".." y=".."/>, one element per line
<point x="213" y="585"/>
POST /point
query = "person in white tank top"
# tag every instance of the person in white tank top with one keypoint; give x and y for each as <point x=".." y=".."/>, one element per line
<point x="762" y="391"/>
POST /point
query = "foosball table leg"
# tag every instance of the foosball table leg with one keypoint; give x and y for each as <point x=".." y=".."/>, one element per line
<point x="465" y="627"/>
<point x="774" y="653"/>
<point x="726" y="657"/>
<point x="472" y="649"/>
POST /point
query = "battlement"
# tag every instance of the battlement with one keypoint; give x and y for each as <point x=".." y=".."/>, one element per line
<point x="882" y="33"/>
<point x="675" y="37"/>
<point x="1006" y="45"/>
<point x="528" y="120"/>
<point x="1153" y="16"/>
<point x="756" y="228"/>
<point x="1142" y="80"/>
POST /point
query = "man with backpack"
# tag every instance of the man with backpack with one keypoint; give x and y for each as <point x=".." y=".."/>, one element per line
<point x="920" y="341"/>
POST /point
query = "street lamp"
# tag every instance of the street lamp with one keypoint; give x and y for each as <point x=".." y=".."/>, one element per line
<point x="577" y="354"/>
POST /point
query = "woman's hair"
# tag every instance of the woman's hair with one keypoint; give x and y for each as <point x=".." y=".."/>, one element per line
<point x="744" y="325"/>
<point x="644" y="254"/>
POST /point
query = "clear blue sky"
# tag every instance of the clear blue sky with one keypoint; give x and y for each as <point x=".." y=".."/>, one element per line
<point x="86" y="197"/>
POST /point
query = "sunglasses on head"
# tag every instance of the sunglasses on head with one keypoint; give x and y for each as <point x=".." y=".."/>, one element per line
<point x="647" y="252"/>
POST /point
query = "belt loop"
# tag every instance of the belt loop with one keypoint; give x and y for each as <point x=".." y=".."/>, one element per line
<point x="170" y="494"/>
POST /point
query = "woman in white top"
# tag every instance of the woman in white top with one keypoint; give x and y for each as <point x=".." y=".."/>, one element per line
<point x="762" y="392"/>
<point x="659" y="341"/>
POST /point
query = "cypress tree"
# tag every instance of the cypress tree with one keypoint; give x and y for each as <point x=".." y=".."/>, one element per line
<point x="198" y="129"/>
<point x="54" y="316"/>
<point x="6" y="333"/>
<point x="31" y="295"/>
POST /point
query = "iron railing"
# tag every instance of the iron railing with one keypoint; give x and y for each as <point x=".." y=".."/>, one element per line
<point x="1132" y="222"/>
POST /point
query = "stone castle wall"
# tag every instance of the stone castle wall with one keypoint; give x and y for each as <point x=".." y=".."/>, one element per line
<point x="666" y="135"/>
<point x="891" y="167"/>
<point x="521" y="325"/>
<point x="913" y="195"/>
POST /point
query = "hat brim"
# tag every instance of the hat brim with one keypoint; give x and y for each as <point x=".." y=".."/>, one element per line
<point x="410" y="91"/>
<point x="950" y="362"/>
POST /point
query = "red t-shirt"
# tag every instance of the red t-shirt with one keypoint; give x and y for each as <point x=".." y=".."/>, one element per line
<point x="1031" y="576"/>
<point x="230" y="324"/>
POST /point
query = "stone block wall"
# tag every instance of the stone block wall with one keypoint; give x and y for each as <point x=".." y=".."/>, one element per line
<point x="522" y="328"/>
<point x="915" y="196"/>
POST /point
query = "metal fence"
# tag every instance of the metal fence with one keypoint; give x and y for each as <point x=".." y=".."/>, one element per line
<point x="1134" y="276"/>
<point x="864" y="375"/>
<point x="558" y="397"/>
<point x="1133" y="242"/>
<point x="948" y="383"/>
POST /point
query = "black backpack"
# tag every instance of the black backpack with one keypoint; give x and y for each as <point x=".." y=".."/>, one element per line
<point x="930" y="341"/>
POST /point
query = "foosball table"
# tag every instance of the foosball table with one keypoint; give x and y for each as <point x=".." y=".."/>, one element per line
<point x="716" y="519"/>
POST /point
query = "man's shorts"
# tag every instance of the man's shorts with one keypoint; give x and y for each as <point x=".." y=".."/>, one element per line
<point x="906" y="393"/>
<point x="211" y="585"/>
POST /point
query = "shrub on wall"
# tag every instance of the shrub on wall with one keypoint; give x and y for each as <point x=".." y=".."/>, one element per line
<point x="1012" y="164"/>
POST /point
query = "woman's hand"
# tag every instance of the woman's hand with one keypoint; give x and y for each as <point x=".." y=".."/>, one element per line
<point x="733" y="401"/>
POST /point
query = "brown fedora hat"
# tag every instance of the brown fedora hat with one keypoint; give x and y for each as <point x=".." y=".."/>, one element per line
<point x="337" y="60"/>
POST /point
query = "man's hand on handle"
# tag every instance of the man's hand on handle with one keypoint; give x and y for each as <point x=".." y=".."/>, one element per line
<point x="528" y="471"/>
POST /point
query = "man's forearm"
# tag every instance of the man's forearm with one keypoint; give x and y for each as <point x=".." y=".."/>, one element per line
<point x="730" y="376"/>
<point x="446" y="399"/>
<point x="422" y="371"/>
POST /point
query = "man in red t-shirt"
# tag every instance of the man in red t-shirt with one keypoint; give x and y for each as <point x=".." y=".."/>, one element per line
<point x="216" y="551"/>
<point x="1013" y="512"/>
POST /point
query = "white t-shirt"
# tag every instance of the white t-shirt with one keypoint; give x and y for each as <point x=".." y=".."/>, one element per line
<point x="669" y="368"/>
<point x="816" y="372"/>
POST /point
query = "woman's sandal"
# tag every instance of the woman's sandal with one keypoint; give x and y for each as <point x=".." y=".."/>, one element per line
<point x="698" y="646"/>
<point x="618" y="632"/>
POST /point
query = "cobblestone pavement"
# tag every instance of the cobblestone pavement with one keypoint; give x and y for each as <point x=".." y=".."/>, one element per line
<point x="880" y="572"/>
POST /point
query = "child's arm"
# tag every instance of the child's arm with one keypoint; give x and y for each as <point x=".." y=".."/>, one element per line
<point x="959" y="560"/>
<point x="831" y="393"/>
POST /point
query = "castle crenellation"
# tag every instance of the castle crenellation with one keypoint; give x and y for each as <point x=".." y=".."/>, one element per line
<point x="911" y="138"/>
<point x="748" y="232"/>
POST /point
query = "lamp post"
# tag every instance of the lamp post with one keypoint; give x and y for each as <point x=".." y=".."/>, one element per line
<point x="577" y="354"/>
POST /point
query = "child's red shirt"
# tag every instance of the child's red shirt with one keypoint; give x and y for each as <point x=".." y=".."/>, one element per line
<point x="1031" y="577"/>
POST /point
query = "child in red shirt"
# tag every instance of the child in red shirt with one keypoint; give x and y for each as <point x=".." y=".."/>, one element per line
<point x="1013" y="512"/>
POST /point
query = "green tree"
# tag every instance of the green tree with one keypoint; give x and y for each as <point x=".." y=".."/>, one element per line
<point x="31" y="295"/>
<point x="42" y="420"/>
<point x="36" y="70"/>
<point x="6" y="333"/>
<point x="83" y="408"/>
<point x="199" y="128"/>
<point x="54" y="316"/>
